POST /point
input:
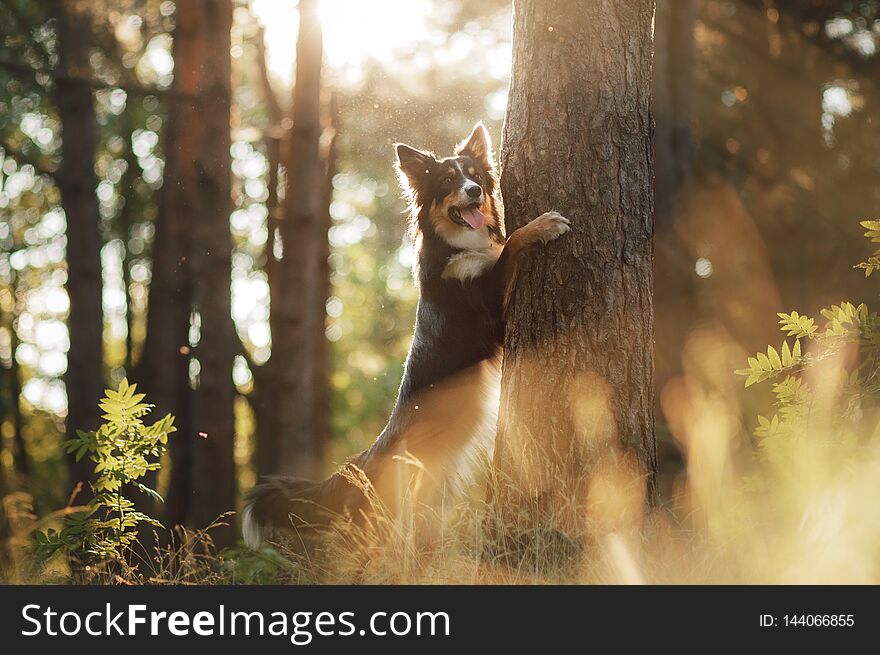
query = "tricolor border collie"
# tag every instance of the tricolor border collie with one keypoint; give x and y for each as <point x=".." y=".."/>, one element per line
<point x="446" y="411"/>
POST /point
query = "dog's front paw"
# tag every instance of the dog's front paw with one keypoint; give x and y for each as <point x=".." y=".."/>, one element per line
<point x="550" y="225"/>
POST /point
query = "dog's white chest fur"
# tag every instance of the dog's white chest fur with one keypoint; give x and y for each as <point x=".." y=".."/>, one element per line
<point x="470" y="264"/>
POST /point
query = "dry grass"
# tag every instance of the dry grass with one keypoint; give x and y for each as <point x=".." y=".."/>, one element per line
<point x="175" y="557"/>
<point x="795" y="510"/>
<point x="815" y="521"/>
<point x="803" y="512"/>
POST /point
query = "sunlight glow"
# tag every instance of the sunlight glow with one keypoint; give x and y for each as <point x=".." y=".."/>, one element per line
<point x="354" y="30"/>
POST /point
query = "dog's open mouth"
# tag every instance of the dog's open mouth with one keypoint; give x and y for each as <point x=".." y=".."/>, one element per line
<point x="469" y="216"/>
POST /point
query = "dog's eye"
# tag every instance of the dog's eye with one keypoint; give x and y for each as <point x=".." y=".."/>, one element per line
<point x="448" y="179"/>
<point x="478" y="178"/>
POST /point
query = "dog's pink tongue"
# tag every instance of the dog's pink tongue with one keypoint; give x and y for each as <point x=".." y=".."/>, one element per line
<point x="474" y="217"/>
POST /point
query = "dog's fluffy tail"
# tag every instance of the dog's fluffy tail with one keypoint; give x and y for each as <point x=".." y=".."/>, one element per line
<point x="286" y="504"/>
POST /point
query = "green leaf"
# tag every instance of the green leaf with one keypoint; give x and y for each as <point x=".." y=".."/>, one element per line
<point x="796" y="325"/>
<point x="124" y="450"/>
<point x="775" y="361"/>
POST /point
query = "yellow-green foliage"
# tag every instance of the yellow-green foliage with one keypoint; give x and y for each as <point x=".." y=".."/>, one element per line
<point x="873" y="234"/>
<point x="846" y="326"/>
<point x="123" y="449"/>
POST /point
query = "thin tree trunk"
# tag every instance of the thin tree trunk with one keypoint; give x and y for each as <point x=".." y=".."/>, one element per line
<point x="577" y="384"/>
<point x="20" y="459"/>
<point x="675" y="296"/>
<point x="672" y="103"/>
<point x="164" y="364"/>
<point x="322" y="369"/>
<point x="291" y="391"/>
<point x="300" y="450"/>
<point x="7" y="386"/>
<point x="125" y="223"/>
<point x="262" y="398"/>
<point x="214" y="475"/>
<point x="5" y="528"/>
<point x="77" y="183"/>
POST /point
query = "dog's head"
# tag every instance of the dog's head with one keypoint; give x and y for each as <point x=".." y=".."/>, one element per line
<point x="454" y="198"/>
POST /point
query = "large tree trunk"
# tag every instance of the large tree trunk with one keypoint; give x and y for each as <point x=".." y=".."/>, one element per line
<point x="77" y="183"/>
<point x="299" y="445"/>
<point x="214" y="479"/>
<point x="577" y="385"/>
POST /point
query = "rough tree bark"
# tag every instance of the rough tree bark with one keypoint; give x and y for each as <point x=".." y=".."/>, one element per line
<point x="577" y="382"/>
<point x="214" y="479"/>
<point x="77" y="183"/>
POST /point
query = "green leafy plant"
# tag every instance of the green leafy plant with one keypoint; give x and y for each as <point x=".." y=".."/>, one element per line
<point x="124" y="449"/>
<point x="873" y="233"/>
<point x="845" y="326"/>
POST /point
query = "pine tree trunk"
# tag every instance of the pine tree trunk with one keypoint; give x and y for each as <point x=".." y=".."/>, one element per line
<point x="291" y="395"/>
<point x="323" y="365"/>
<point x="5" y="530"/>
<point x="20" y="459"/>
<point x="164" y="365"/>
<point x="214" y="475"/>
<point x="126" y="219"/>
<point x="577" y="382"/>
<point x="262" y="398"/>
<point x="675" y="285"/>
<point x="672" y="103"/>
<point x="77" y="184"/>
<point x="300" y="451"/>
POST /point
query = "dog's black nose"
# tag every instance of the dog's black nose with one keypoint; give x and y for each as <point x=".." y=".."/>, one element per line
<point x="474" y="192"/>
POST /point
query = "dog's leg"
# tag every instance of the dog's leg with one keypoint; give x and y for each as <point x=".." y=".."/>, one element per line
<point x="548" y="226"/>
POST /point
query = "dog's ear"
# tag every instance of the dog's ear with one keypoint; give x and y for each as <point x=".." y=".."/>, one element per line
<point x="478" y="146"/>
<point x="414" y="166"/>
